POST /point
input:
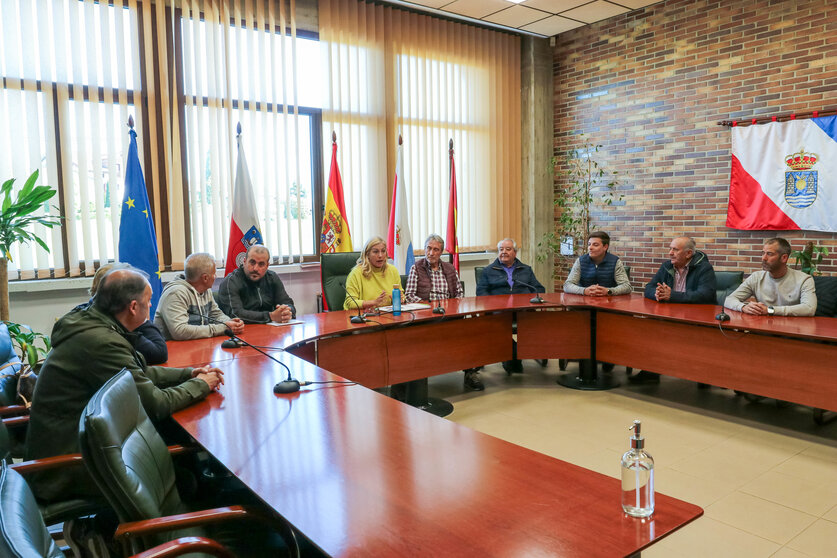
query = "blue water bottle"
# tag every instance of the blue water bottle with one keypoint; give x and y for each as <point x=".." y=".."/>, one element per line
<point x="396" y="300"/>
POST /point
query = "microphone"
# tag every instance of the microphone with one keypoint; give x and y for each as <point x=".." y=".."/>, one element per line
<point x="535" y="299"/>
<point x="723" y="316"/>
<point x="438" y="308"/>
<point x="288" y="385"/>
<point x="359" y="319"/>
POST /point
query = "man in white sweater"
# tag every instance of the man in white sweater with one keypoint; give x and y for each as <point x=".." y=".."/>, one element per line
<point x="777" y="290"/>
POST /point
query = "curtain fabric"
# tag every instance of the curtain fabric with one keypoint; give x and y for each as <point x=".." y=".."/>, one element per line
<point x="394" y="72"/>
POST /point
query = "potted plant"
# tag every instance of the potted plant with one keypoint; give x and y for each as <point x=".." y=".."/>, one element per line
<point x="809" y="258"/>
<point x="586" y="183"/>
<point x="16" y="216"/>
<point x="32" y="348"/>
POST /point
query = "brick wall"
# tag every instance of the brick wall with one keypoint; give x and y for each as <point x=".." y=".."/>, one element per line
<point x="651" y="86"/>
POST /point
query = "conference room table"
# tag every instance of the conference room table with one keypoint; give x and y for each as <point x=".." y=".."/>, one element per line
<point x="361" y="474"/>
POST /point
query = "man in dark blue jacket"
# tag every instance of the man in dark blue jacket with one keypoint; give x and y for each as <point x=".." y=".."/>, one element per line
<point x="687" y="277"/>
<point x="507" y="275"/>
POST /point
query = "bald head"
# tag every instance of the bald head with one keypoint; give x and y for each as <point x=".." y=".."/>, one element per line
<point x="119" y="288"/>
<point x="681" y="250"/>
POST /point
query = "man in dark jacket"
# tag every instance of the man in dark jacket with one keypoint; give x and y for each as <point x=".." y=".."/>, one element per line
<point x="508" y="275"/>
<point x="687" y="277"/>
<point x="89" y="346"/>
<point x="254" y="293"/>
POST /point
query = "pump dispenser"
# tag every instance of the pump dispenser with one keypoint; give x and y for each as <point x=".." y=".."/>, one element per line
<point x="637" y="477"/>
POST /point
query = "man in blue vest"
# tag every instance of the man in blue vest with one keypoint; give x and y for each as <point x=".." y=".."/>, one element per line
<point x="598" y="272"/>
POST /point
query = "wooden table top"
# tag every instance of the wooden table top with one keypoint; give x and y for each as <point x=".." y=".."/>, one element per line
<point x="361" y="474"/>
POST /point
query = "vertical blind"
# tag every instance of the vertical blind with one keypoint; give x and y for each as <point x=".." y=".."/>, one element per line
<point x="396" y="72"/>
<point x="72" y="72"/>
<point x="70" y="78"/>
<point x="189" y="71"/>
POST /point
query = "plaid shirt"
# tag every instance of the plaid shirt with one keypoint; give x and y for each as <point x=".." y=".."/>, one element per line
<point x="438" y="286"/>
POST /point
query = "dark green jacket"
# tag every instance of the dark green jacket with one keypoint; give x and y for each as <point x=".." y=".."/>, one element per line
<point x="88" y="348"/>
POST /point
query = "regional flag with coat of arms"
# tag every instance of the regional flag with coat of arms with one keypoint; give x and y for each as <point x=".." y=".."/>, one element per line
<point x="399" y="239"/>
<point x="335" y="235"/>
<point x="244" y="223"/>
<point x="784" y="176"/>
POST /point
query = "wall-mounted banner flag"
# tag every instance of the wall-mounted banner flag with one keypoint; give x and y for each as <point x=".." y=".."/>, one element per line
<point x="784" y="176"/>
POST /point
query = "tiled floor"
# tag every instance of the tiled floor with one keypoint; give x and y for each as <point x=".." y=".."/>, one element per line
<point x="765" y="475"/>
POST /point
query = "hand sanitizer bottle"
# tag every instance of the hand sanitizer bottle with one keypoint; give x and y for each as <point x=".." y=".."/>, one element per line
<point x="396" y="300"/>
<point x="637" y="477"/>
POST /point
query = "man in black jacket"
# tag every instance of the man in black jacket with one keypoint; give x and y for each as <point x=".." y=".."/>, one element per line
<point x="686" y="277"/>
<point x="254" y="293"/>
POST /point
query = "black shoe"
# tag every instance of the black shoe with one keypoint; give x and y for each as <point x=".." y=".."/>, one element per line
<point x="644" y="377"/>
<point x="83" y="538"/>
<point x="513" y="366"/>
<point x="473" y="381"/>
<point x="701" y="385"/>
<point x="607" y="367"/>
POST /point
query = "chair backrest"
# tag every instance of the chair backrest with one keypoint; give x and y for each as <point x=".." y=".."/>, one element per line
<point x="826" y="295"/>
<point x="125" y="455"/>
<point x="478" y="273"/>
<point x="725" y="283"/>
<point x="334" y="269"/>
<point x="23" y="533"/>
<point x="10" y="364"/>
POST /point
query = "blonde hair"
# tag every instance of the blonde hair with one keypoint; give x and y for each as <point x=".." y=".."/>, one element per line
<point x="102" y="271"/>
<point x="363" y="261"/>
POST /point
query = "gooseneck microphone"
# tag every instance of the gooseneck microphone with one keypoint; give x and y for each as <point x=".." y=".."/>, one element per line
<point x="723" y="316"/>
<point x="535" y="299"/>
<point x="438" y="308"/>
<point x="359" y="319"/>
<point x="288" y="385"/>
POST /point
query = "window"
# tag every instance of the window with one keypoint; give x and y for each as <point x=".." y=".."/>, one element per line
<point x="260" y="77"/>
<point x="70" y="74"/>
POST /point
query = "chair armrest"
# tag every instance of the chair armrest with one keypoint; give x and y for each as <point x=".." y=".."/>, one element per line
<point x="180" y="521"/>
<point x="16" y="421"/>
<point x="185" y="545"/>
<point x="73" y="459"/>
<point x="10" y="410"/>
<point x="47" y="463"/>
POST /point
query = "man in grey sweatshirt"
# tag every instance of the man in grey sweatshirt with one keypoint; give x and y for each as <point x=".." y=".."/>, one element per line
<point x="187" y="309"/>
<point x="777" y="289"/>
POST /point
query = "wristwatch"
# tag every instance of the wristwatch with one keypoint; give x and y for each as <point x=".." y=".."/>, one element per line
<point x="770" y="311"/>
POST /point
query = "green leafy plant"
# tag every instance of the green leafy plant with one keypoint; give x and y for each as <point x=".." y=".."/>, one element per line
<point x="17" y="214"/>
<point x="809" y="258"/>
<point x="32" y="347"/>
<point x="585" y="183"/>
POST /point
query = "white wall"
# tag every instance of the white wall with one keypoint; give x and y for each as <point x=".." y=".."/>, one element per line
<point x="39" y="303"/>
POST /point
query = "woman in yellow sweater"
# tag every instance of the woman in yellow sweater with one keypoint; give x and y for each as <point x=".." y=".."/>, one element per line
<point x="371" y="281"/>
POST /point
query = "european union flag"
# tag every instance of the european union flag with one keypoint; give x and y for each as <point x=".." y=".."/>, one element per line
<point x="137" y="238"/>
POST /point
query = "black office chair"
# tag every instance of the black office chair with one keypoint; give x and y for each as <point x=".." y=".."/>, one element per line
<point x="725" y="284"/>
<point x="334" y="269"/>
<point x="131" y="465"/>
<point x="23" y="533"/>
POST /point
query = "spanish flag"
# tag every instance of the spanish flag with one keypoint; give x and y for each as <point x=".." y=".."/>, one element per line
<point x="335" y="235"/>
